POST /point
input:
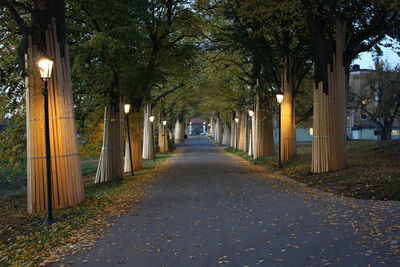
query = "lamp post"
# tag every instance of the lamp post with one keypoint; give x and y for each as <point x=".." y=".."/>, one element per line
<point x="165" y="132"/>
<point x="279" y="98"/>
<point x="190" y="128"/>
<point x="237" y="132"/>
<point x="127" y="108"/>
<point x="45" y="66"/>
<point x="151" y="119"/>
<point x="251" y="114"/>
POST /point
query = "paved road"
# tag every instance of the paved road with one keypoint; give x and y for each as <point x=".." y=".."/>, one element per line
<point x="209" y="209"/>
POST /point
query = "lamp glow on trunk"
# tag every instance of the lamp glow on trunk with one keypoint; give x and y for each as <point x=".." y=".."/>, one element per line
<point x="236" y="120"/>
<point x="164" y="123"/>
<point x="251" y="113"/>
<point x="151" y="118"/>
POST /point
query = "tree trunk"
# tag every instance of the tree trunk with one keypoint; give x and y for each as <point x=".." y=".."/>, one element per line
<point x="254" y="135"/>
<point x="163" y="138"/>
<point x="179" y="132"/>
<point x="232" y="141"/>
<point x="135" y="123"/>
<point x="226" y="136"/>
<point x="217" y="131"/>
<point x="49" y="39"/>
<point x="243" y="131"/>
<point x="387" y="129"/>
<point x="148" y="135"/>
<point x="329" y="139"/>
<point x="211" y="130"/>
<point x="110" y="167"/>
<point x="288" y="127"/>
<point x="263" y="130"/>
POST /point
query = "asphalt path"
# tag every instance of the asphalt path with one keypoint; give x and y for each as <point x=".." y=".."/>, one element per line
<point x="211" y="209"/>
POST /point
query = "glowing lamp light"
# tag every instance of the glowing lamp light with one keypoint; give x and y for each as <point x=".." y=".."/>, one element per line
<point x="279" y="97"/>
<point x="190" y="123"/>
<point x="251" y="113"/>
<point x="151" y="118"/>
<point x="311" y="131"/>
<point x="127" y="108"/>
<point x="45" y="65"/>
<point x="204" y="123"/>
<point x="236" y="120"/>
<point x="164" y="123"/>
<point x="209" y="125"/>
<point x="364" y="101"/>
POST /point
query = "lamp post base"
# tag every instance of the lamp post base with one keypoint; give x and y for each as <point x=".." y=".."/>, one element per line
<point x="48" y="221"/>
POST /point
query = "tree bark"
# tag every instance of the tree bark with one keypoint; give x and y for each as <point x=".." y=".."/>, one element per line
<point x="226" y="135"/>
<point x="232" y="141"/>
<point x="135" y="123"/>
<point x="48" y="38"/>
<point x="263" y="130"/>
<point x="211" y="130"/>
<point x="386" y="129"/>
<point x="243" y="131"/>
<point x="162" y="137"/>
<point x="110" y="167"/>
<point x="288" y="127"/>
<point x="329" y="139"/>
<point x="179" y="132"/>
<point x="217" y="131"/>
<point x="148" y="135"/>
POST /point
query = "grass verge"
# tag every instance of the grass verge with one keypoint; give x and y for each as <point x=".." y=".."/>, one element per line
<point x="370" y="174"/>
<point x="26" y="241"/>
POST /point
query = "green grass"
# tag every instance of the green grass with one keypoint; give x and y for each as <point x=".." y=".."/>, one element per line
<point x="370" y="173"/>
<point x="12" y="185"/>
<point x="26" y="241"/>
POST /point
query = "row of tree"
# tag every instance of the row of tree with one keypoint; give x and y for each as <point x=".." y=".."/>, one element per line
<point x="173" y="59"/>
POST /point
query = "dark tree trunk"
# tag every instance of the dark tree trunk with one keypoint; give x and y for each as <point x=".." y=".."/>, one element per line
<point x="386" y="129"/>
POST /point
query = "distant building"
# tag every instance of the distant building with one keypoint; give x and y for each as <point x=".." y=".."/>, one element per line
<point x="358" y="124"/>
<point x="197" y="126"/>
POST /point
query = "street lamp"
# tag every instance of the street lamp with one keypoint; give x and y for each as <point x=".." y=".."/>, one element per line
<point x="237" y="132"/>
<point x="251" y="114"/>
<point x="279" y="98"/>
<point x="45" y="66"/>
<point x="151" y="119"/>
<point x="165" y="132"/>
<point x="127" y="108"/>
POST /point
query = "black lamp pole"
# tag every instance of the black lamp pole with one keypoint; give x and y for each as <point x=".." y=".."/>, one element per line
<point x="279" y="138"/>
<point x="154" y="141"/>
<point x="129" y="142"/>
<point x="45" y="93"/>
<point x="165" y="138"/>
<point x="237" y="135"/>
